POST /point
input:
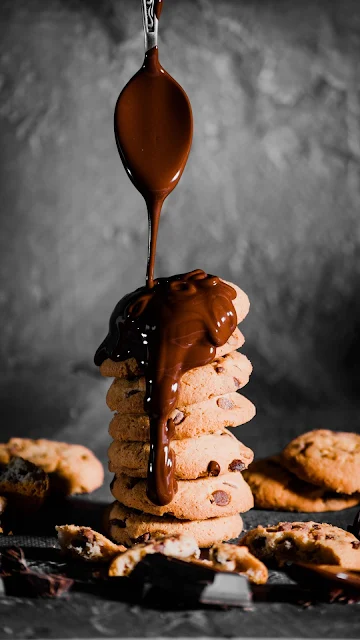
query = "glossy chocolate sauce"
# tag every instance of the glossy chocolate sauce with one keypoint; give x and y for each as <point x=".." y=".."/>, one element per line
<point x="171" y="328"/>
<point x="172" y="324"/>
<point x="153" y="131"/>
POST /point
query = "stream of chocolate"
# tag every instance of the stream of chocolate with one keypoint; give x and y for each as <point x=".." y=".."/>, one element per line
<point x="172" y="324"/>
<point x="171" y="328"/>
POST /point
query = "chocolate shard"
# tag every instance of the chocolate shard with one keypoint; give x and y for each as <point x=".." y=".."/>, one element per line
<point x="20" y="581"/>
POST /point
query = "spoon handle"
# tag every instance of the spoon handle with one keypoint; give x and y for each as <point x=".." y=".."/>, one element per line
<point x="151" y="24"/>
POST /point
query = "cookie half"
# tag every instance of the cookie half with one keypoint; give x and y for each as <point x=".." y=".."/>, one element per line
<point x="192" y="421"/>
<point x="128" y="526"/>
<point x="209" y="455"/>
<point x="274" y="487"/>
<point x="308" y="542"/>
<point x="130" y="368"/>
<point x="195" y="499"/>
<point x="329" y="459"/>
<point x="72" y="468"/>
<point x="224" y="375"/>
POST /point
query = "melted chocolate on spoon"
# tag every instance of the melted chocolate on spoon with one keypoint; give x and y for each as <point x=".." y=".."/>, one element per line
<point x="153" y="130"/>
<point x="172" y="324"/>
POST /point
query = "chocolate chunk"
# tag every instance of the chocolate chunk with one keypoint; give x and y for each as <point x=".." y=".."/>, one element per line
<point x="20" y="581"/>
<point x="237" y="465"/>
<point x="225" y="403"/>
<point x="179" y="417"/>
<point x="221" y="498"/>
<point x="141" y="539"/>
<point x="213" y="468"/>
<point x="133" y="392"/>
<point x="220" y="369"/>
<point x="329" y="537"/>
<point x="259" y="543"/>
<point x="116" y="522"/>
<point x="355" y="545"/>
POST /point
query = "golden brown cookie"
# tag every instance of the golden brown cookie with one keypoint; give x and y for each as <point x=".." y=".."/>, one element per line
<point x="72" y="468"/>
<point x="234" y="558"/>
<point x="128" y="526"/>
<point x="193" y="420"/>
<point x="329" y="459"/>
<point x="224" y="375"/>
<point x="195" y="499"/>
<point x="308" y="542"/>
<point x="180" y="546"/>
<point x="82" y="543"/>
<point x="209" y="455"/>
<point x="130" y="369"/>
<point x="274" y="487"/>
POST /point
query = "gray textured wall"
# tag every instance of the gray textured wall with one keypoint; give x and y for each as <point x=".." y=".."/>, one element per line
<point x="270" y="197"/>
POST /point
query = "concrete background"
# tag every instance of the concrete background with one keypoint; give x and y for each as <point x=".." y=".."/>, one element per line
<point x="270" y="200"/>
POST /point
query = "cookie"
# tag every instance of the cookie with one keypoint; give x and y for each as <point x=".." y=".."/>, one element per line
<point x="209" y="455"/>
<point x="194" y="420"/>
<point x="25" y="488"/>
<point x="72" y="468"/>
<point x="233" y="558"/>
<point x="308" y="542"/>
<point x="82" y="543"/>
<point x="130" y="368"/>
<point x="224" y="375"/>
<point x="195" y="499"/>
<point x="329" y="459"/>
<point x="274" y="487"/>
<point x="180" y="546"/>
<point x="128" y="526"/>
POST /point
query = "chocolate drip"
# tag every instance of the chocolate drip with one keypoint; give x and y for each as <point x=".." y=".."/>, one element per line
<point x="158" y="7"/>
<point x="153" y="131"/>
<point x="169" y="329"/>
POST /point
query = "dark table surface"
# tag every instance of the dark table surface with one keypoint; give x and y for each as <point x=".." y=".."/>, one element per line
<point x="91" y="615"/>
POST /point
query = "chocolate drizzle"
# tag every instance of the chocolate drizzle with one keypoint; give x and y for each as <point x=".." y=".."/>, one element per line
<point x="169" y="329"/>
<point x="172" y="324"/>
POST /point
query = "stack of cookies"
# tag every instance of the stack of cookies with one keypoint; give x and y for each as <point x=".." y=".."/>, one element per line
<point x="318" y="471"/>
<point x="209" y="459"/>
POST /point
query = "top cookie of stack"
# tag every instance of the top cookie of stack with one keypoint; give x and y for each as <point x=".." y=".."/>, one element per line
<point x="209" y="458"/>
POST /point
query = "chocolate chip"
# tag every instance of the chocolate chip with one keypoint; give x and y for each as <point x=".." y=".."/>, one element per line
<point x="237" y="465"/>
<point x="237" y="383"/>
<point x="132" y="392"/>
<point x="355" y="544"/>
<point x="213" y="468"/>
<point x="225" y="403"/>
<point x="221" y="498"/>
<point x="259" y="543"/>
<point x="219" y="369"/>
<point x="179" y="417"/>
<point x="330" y="537"/>
<point x="80" y="542"/>
<point x="116" y="522"/>
<point x="316" y="526"/>
<point x="141" y="539"/>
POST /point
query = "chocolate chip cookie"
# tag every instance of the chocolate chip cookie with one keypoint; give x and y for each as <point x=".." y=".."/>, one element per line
<point x="329" y="459"/>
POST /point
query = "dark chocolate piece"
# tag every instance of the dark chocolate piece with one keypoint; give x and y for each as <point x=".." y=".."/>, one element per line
<point x="20" y="581"/>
